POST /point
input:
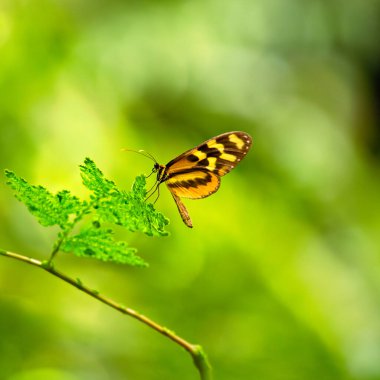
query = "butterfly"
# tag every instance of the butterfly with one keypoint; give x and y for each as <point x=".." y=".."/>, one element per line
<point x="196" y="173"/>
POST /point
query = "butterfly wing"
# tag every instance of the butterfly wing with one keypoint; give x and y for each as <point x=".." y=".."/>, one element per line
<point x="218" y="155"/>
<point x="193" y="184"/>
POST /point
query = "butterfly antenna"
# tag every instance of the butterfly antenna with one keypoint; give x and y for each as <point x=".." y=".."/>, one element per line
<point x="147" y="154"/>
<point x="155" y="187"/>
<point x="142" y="152"/>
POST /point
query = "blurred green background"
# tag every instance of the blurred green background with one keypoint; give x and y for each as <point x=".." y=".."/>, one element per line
<point x="280" y="276"/>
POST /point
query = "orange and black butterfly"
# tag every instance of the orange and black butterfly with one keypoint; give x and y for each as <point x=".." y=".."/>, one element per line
<point x="196" y="173"/>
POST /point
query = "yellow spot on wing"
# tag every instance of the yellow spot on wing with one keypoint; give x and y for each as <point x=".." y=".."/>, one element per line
<point x="236" y="140"/>
<point x="214" y="145"/>
<point x="199" y="154"/>
<point x="211" y="162"/>
<point x="228" y="157"/>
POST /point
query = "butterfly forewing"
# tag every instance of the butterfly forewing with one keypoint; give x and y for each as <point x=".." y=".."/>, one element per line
<point x="219" y="154"/>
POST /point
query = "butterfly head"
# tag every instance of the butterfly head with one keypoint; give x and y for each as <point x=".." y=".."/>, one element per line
<point x="161" y="171"/>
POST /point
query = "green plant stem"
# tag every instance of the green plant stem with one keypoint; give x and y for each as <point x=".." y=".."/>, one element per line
<point x="196" y="351"/>
<point x="67" y="231"/>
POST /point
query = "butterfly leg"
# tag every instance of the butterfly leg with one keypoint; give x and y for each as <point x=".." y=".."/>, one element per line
<point x="156" y="187"/>
<point x="158" y="193"/>
<point x="147" y="176"/>
<point x="153" y="187"/>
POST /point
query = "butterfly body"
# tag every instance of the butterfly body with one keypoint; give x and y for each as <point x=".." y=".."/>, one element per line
<point x="196" y="173"/>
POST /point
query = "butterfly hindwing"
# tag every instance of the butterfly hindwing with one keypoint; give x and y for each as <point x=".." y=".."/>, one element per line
<point x="193" y="184"/>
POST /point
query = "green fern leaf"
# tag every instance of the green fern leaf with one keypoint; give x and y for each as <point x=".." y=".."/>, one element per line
<point x="128" y="209"/>
<point x="49" y="209"/>
<point x="99" y="243"/>
<point x="95" y="181"/>
<point x="107" y="205"/>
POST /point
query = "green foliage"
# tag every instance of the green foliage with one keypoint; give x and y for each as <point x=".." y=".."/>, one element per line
<point x="99" y="242"/>
<point x="94" y="180"/>
<point x="49" y="209"/>
<point x="120" y="207"/>
<point x="107" y="205"/>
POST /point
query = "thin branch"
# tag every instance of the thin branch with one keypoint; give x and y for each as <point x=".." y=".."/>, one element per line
<point x="196" y="351"/>
<point x="63" y="235"/>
